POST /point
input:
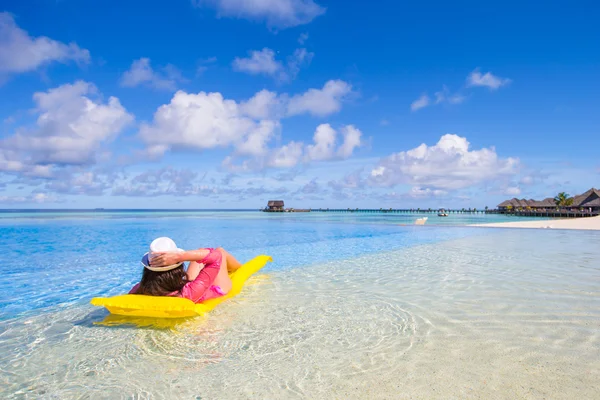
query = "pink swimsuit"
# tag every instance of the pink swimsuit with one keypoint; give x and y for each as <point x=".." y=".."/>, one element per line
<point x="201" y="288"/>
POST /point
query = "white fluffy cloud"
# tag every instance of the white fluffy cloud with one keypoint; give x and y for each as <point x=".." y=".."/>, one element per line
<point x="20" y="52"/>
<point x="277" y="13"/>
<point x="141" y="72"/>
<point x="448" y="165"/>
<point x="476" y="78"/>
<point x="286" y="156"/>
<point x="205" y="121"/>
<point x="263" y="62"/>
<point x="325" y="141"/>
<point x="71" y="128"/>
<point x="320" y="102"/>
<point x="259" y="62"/>
<point x="208" y="120"/>
<point x="255" y="143"/>
<point x="264" y="105"/>
<point x="324" y="147"/>
<point x="352" y="140"/>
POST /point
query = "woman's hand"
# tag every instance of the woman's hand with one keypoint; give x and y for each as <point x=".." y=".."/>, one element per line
<point x="164" y="259"/>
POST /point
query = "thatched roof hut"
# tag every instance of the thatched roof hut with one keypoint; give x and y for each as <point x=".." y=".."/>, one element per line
<point x="523" y="203"/>
<point x="514" y="203"/>
<point x="505" y="204"/>
<point x="591" y="198"/>
<point x="275" y="205"/>
<point x="546" y="203"/>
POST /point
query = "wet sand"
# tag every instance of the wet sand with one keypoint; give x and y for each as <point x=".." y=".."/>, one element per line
<point x="590" y="223"/>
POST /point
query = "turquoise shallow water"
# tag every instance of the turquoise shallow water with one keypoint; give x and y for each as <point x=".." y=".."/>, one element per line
<point x="71" y="257"/>
<point x="352" y="307"/>
<point x="343" y="217"/>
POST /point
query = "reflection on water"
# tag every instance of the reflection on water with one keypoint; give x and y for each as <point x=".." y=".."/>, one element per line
<point x="512" y="314"/>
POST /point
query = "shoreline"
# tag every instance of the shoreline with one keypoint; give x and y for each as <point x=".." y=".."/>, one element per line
<point x="584" y="224"/>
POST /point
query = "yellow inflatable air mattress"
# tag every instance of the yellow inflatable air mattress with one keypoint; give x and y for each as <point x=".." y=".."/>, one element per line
<point x="176" y="307"/>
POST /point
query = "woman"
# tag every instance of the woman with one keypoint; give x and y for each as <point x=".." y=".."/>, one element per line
<point x="164" y="274"/>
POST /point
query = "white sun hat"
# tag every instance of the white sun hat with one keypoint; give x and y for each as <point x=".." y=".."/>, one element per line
<point x="161" y="245"/>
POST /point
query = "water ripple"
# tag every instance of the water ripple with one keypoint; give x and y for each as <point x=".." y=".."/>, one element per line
<point x="463" y="318"/>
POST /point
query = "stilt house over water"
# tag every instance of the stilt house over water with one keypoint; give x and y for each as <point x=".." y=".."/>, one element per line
<point x="275" y="206"/>
<point x="588" y="201"/>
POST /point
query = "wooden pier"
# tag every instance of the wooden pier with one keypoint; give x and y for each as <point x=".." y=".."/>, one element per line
<point x="396" y="210"/>
<point x="525" y="213"/>
<point x="580" y="206"/>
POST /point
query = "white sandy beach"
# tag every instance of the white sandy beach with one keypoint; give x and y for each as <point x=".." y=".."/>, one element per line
<point x="591" y="223"/>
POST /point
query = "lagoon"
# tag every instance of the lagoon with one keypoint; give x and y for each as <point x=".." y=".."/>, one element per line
<point x="353" y="306"/>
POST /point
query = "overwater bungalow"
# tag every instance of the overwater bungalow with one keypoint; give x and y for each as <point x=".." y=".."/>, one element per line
<point x="588" y="202"/>
<point x="275" y="206"/>
<point x="523" y="204"/>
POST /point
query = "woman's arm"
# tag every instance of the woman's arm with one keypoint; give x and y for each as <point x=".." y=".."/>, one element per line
<point x="212" y="263"/>
<point x="169" y="258"/>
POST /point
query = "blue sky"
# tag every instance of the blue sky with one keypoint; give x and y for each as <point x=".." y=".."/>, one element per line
<point x="230" y="103"/>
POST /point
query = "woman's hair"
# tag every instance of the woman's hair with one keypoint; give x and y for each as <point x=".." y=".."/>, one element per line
<point x="162" y="283"/>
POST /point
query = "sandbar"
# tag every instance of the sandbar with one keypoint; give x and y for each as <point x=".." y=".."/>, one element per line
<point x="588" y="223"/>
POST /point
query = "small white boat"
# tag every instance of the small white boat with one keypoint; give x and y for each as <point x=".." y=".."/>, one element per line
<point x="442" y="214"/>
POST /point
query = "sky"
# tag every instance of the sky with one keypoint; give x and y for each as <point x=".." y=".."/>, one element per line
<point x="211" y="104"/>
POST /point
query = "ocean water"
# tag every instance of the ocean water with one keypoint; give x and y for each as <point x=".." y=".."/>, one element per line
<point x="381" y="218"/>
<point x="352" y="307"/>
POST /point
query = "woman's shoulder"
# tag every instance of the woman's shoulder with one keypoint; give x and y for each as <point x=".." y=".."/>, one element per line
<point x="135" y="288"/>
